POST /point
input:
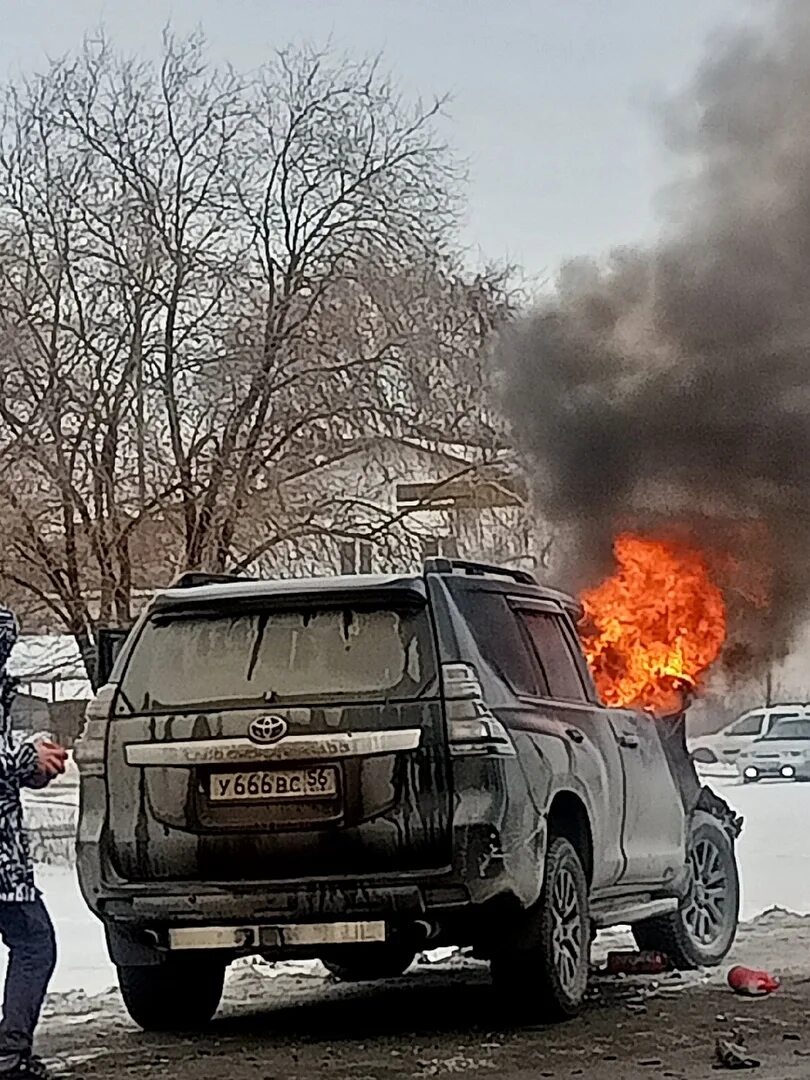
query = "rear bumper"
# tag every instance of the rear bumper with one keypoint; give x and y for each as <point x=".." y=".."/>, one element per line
<point x="280" y="937"/>
<point x="322" y="903"/>
<point x="296" y="923"/>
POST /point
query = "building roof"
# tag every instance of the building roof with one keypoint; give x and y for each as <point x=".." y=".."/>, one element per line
<point x="50" y="665"/>
<point x="46" y="658"/>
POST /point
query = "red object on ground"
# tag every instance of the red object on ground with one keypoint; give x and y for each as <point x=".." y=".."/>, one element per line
<point x="752" y="983"/>
<point x="636" y="963"/>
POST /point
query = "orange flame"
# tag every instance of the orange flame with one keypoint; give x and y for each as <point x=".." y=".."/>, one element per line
<point x="656" y="625"/>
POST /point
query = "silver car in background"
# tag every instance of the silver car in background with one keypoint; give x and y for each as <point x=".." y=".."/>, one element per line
<point x="723" y="747"/>
<point x="784" y="752"/>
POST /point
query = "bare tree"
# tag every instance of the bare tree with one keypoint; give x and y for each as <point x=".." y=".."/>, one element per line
<point x="208" y="280"/>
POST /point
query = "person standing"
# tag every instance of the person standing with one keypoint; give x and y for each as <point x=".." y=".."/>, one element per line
<point x="25" y="926"/>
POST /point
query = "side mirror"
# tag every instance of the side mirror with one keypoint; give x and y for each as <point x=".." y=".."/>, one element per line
<point x="109" y="642"/>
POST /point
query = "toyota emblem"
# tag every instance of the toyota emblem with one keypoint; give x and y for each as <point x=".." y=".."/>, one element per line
<point x="267" y="729"/>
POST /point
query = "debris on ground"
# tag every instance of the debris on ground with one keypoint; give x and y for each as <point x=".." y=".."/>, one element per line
<point x="459" y="1063"/>
<point x="732" y="1053"/>
<point x="752" y="983"/>
<point x="629" y="962"/>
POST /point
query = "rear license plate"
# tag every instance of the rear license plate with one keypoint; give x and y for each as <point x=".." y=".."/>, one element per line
<point x="265" y="785"/>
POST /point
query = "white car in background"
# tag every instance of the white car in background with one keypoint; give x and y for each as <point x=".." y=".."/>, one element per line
<point x="783" y="753"/>
<point x="724" y="747"/>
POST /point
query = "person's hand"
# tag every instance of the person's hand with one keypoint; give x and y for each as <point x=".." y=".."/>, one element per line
<point x="51" y="758"/>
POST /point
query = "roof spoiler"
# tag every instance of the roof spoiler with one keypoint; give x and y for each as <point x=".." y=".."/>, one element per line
<point x="477" y="569"/>
<point x="193" y="579"/>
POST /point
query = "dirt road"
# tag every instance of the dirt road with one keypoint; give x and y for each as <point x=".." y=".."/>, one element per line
<point x="442" y="1020"/>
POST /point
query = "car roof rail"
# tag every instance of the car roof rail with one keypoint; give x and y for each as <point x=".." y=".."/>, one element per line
<point x="192" y="579"/>
<point x="477" y="569"/>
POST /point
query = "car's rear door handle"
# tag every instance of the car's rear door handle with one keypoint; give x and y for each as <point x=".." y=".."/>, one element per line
<point x="630" y="741"/>
<point x="575" y="735"/>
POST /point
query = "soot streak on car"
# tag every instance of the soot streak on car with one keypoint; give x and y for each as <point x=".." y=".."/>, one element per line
<point x="447" y="777"/>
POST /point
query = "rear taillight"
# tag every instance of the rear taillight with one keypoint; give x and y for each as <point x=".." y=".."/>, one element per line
<point x="471" y="727"/>
<point x="88" y="753"/>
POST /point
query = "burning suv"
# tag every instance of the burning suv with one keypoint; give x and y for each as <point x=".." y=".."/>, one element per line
<point x="360" y="768"/>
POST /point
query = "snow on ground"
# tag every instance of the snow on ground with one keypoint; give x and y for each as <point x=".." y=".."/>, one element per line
<point x="774" y="855"/>
<point x="83" y="962"/>
<point x="774" y="848"/>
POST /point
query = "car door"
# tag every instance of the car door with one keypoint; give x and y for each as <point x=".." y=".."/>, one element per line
<point x="641" y="791"/>
<point x="654" y="819"/>
<point x="595" y="769"/>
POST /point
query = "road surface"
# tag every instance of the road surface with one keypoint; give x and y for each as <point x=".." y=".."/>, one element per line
<point x="443" y="1019"/>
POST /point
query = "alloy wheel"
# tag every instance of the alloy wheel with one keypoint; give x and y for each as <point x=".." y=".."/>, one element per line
<point x="567" y="934"/>
<point x="704" y="913"/>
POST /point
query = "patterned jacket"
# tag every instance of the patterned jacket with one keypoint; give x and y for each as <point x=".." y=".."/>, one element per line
<point x="18" y="766"/>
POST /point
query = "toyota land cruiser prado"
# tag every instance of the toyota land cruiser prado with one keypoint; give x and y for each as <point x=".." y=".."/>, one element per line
<point x="360" y="768"/>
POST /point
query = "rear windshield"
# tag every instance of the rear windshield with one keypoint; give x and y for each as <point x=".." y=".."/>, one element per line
<point x="184" y="662"/>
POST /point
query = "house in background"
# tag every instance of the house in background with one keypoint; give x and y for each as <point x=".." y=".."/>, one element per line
<point x="49" y="667"/>
<point x="389" y="503"/>
<point x="381" y="504"/>
<point x="52" y="686"/>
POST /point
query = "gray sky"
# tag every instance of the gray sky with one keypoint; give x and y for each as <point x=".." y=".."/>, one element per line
<point x="553" y="100"/>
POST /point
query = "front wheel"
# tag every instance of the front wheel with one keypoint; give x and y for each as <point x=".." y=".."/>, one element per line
<point x="366" y="963"/>
<point x="545" y="975"/>
<point x="180" y="994"/>
<point x="701" y="932"/>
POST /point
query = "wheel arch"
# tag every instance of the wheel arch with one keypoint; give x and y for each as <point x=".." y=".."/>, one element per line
<point x="568" y="818"/>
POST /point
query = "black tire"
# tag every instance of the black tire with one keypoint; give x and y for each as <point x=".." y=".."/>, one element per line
<point x="701" y="932"/>
<point x="750" y="779"/>
<point x="180" y="994"/>
<point x="366" y="963"/>
<point x="544" y="976"/>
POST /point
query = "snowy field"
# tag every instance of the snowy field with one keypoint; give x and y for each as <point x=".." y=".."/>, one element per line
<point x="774" y="854"/>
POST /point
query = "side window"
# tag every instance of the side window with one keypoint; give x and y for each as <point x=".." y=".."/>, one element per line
<point x="498" y="635"/>
<point x="749" y="725"/>
<point x="555" y="655"/>
<point x="775" y="717"/>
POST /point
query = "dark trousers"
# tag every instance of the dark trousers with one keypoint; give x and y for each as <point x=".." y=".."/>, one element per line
<point x="27" y="933"/>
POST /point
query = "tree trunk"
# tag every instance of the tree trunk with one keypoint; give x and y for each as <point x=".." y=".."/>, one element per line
<point x="87" y="649"/>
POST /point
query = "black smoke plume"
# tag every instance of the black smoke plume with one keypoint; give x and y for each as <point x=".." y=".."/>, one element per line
<point x="669" y="391"/>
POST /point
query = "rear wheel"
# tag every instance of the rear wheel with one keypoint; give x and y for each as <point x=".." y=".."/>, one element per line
<point x="176" y="995"/>
<point x="545" y="976"/>
<point x="701" y="932"/>
<point x="365" y="963"/>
